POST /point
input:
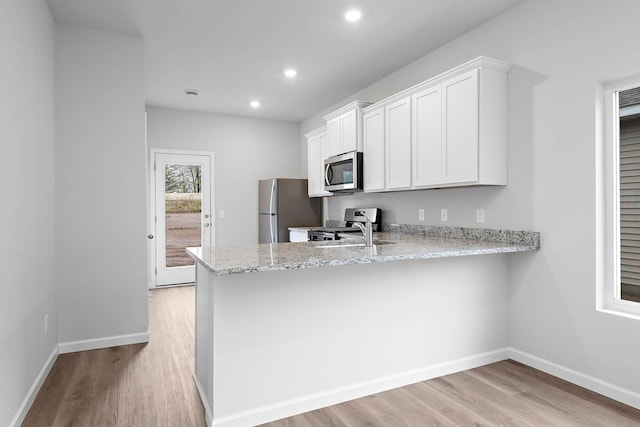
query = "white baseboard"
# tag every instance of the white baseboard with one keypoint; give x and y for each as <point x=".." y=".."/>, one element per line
<point x="620" y="394"/>
<point x="35" y="388"/>
<point x="93" y="344"/>
<point x="207" y="411"/>
<point x="331" y="397"/>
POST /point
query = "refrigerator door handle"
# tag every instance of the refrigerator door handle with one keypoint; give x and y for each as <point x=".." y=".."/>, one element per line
<point x="272" y="222"/>
<point x="272" y="196"/>
<point x="272" y="225"/>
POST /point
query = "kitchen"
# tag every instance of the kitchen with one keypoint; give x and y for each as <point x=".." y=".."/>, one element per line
<point x="562" y="53"/>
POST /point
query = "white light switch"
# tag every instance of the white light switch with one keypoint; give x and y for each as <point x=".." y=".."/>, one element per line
<point x="444" y="215"/>
<point x="421" y="214"/>
<point x="221" y="213"/>
<point x="480" y="215"/>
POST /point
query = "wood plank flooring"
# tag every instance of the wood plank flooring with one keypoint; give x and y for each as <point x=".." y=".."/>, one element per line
<point x="501" y="394"/>
<point x="151" y="385"/>
<point x="134" y="385"/>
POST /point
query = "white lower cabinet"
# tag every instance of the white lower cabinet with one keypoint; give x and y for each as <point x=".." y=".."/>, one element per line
<point x="448" y="131"/>
<point x="317" y="148"/>
<point x="298" y="235"/>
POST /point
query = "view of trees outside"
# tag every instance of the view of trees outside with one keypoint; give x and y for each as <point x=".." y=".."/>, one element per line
<point x="182" y="179"/>
<point x="183" y="203"/>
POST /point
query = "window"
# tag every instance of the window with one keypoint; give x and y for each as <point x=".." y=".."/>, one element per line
<point x="620" y="197"/>
<point x="629" y="193"/>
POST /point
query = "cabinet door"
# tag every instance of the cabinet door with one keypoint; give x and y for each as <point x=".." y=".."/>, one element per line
<point x="428" y="151"/>
<point x="349" y="127"/>
<point x="398" y="144"/>
<point x="315" y="165"/>
<point x="334" y="136"/>
<point x="374" y="156"/>
<point x="461" y="128"/>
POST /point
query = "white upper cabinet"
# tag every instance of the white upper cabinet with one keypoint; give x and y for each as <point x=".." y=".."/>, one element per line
<point x="448" y="131"/>
<point x="387" y="147"/>
<point x="445" y="132"/>
<point x="374" y="155"/>
<point x="427" y="145"/>
<point x="344" y="128"/>
<point x="398" y="145"/>
<point x="334" y="136"/>
<point x="460" y="133"/>
<point x="317" y="151"/>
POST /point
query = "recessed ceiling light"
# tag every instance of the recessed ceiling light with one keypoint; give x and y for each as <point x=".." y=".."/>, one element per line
<point x="191" y="92"/>
<point x="353" y="15"/>
<point x="254" y="104"/>
<point x="290" y="72"/>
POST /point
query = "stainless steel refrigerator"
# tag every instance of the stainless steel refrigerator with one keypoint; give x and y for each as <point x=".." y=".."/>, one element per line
<point x="284" y="203"/>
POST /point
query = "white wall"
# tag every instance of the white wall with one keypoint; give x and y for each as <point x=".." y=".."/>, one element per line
<point x="562" y="51"/>
<point x="101" y="271"/>
<point x="27" y="205"/>
<point x="246" y="150"/>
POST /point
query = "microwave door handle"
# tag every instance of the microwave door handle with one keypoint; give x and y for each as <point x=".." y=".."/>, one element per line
<point x="327" y="169"/>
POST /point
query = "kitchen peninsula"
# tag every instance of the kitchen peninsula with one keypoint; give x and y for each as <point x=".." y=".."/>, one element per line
<point x="290" y="327"/>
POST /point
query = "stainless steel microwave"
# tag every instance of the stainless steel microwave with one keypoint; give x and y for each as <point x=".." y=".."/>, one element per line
<point x="343" y="172"/>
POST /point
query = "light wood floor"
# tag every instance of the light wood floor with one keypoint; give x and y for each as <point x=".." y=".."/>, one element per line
<point x="135" y="385"/>
<point x="501" y="394"/>
<point x="151" y="385"/>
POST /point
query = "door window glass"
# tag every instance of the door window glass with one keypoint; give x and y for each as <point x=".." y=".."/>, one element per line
<point x="183" y="208"/>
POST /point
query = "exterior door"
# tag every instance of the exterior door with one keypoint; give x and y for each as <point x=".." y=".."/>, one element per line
<point x="181" y="204"/>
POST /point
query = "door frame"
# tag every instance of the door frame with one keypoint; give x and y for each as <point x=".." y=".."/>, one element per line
<point x="151" y="192"/>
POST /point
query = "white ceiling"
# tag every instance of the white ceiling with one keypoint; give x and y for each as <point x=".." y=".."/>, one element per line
<point x="233" y="51"/>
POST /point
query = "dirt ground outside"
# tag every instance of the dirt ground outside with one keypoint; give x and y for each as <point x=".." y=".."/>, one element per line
<point x="182" y="231"/>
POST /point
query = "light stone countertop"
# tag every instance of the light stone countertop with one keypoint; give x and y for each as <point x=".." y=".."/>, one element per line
<point x="409" y="244"/>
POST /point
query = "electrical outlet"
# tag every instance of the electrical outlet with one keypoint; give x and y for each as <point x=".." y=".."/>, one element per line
<point x="480" y="215"/>
<point x="421" y="214"/>
<point x="221" y="213"/>
<point x="46" y="323"/>
<point x="444" y="215"/>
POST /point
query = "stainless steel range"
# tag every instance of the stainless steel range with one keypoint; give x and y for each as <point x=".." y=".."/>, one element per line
<point x="351" y="216"/>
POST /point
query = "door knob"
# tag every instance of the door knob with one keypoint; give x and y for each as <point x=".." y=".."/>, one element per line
<point x="150" y="236"/>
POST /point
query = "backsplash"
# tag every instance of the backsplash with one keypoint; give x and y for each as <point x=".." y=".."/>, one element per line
<point x="531" y="238"/>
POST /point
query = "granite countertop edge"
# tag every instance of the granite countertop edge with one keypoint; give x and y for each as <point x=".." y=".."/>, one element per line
<point x="408" y="243"/>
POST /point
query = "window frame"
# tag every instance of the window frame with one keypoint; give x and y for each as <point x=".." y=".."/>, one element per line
<point x="608" y="296"/>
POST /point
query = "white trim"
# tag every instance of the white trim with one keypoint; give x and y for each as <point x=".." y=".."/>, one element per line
<point x="316" y="132"/>
<point x="608" y="293"/>
<point x="331" y="397"/>
<point x="208" y="414"/>
<point x="35" y="388"/>
<point x="478" y="62"/>
<point x="151" y="199"/>
<point x="96" y="343"/>
<point x="350" y="106"/>
<point x="612" y="391"/>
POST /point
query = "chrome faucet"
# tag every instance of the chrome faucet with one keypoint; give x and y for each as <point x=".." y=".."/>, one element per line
<point x="366" y="230"/>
